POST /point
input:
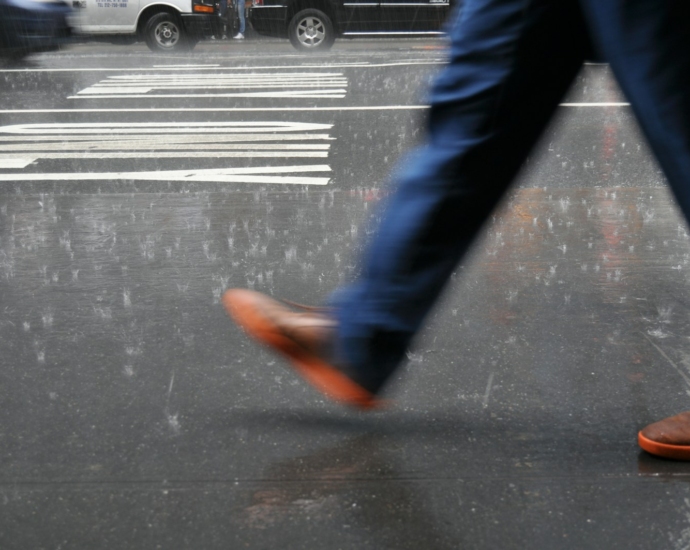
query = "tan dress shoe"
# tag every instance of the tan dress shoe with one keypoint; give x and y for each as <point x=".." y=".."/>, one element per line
<point x="305" y="338"/>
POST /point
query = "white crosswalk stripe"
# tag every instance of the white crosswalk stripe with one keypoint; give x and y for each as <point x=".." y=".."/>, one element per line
<point x="23" y="145"/>
<point x="151" y="127"/>
<point x="222" y="175"/>
<point x="238" y="85"/>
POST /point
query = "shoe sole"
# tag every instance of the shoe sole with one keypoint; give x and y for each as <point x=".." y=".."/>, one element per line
<point x="240" y="305"/>
<point x="676" y="452"/>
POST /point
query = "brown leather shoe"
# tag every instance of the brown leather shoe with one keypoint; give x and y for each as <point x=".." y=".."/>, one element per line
<point x="305" y="338"/>
<point x="669" y="437"/>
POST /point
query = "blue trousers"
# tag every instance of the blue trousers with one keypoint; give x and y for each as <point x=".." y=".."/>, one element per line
<point x="239" y="6"/>
<point x="511" y="62"/>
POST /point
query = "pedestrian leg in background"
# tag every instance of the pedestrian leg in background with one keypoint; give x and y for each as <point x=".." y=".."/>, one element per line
<point x="511" y="61"/>
<point x="647" y="43"/>
<point x="220" y="25"/>
<point x="239" y="6"/>
<point x="224" y="17"/>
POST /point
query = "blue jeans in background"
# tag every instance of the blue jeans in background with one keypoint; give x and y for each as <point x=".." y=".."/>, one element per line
<point x="239" y="4"/>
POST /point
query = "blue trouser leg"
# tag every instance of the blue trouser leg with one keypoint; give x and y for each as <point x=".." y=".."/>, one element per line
<point x="647" y="43"/>
<point x="511" y="61"/>
<point x="240" y="14"/>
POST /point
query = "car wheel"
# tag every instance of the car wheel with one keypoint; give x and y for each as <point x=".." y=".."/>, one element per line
<point x="311" y="30"/>
<point x="164" y="33"/>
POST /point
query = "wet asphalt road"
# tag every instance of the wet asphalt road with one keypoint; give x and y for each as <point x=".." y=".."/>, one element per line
<point x="136" y="188"/>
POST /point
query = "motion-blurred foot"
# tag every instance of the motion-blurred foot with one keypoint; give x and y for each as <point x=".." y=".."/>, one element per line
<point x="306" y="338"/>
<point x="238" y="36"/>
<point x="669" y="437"/>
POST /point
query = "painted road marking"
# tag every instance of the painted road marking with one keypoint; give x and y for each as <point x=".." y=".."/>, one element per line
<point x="201" y="79"/>
<point x="293" y="94"/>
<point x="16" y="162"/>
<point x="609" y="104"/>
<point x="22" y="145"/>
<point x="175" y="141"/>
<point x="21" y="162"/>
<point x="222" y="175"/>
<point x="365" y="65"/>
<point x="261" y="109"/>
<point x="188" y="66"/>
<point x="252" y="85"/>
<point x="61" y="129"/>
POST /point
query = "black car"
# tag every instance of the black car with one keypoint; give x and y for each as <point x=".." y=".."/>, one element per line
<point x="28" y="26"/>
<point x="314" y="24"/>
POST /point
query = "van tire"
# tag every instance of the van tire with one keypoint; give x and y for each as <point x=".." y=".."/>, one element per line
<point x="311" y="30"/>
<point x="164" y="32"/>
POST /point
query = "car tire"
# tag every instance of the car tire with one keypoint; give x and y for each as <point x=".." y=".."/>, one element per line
<point x="311" y="31"/>
<point x="164" y="33"/>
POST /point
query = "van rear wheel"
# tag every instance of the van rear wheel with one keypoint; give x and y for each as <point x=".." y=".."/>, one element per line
<point x="164" y="33"/>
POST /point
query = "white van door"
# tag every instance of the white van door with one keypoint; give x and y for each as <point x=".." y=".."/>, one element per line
<point x="108" y="16"/>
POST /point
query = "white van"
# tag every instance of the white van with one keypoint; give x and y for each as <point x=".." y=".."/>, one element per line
<point x="165" y="25"/>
